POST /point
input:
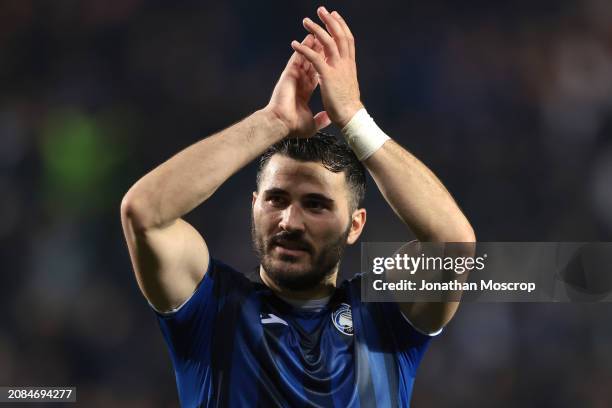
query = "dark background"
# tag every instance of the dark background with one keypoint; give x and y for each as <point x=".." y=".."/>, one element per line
<point x="508" y="102"/>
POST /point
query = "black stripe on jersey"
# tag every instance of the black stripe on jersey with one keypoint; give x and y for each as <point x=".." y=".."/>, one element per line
<point x="317" y="390"/>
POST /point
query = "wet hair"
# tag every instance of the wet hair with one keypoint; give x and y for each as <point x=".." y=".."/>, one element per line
<point x="333" y="153"/>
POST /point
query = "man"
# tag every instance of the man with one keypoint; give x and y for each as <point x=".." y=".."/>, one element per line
<point x="290" y="336"/>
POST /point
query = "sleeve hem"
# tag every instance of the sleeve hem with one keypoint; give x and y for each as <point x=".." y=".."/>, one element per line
<point x="433" y="334"/>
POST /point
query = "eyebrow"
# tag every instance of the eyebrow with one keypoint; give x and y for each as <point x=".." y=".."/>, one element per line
<point x="312" y="196"/>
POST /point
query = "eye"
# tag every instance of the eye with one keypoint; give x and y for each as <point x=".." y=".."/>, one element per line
<point x="315" y="205"/>
<point x="275" y="201"/>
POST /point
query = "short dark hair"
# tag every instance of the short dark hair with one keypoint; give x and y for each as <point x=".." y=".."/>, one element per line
<point x="334" y="154"/>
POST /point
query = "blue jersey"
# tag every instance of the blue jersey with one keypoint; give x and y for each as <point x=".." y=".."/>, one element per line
<point x="235" y="344"/>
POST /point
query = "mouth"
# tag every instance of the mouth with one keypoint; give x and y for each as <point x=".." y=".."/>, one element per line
<point x="287" y="251"/>
<point x="290" y="249"/>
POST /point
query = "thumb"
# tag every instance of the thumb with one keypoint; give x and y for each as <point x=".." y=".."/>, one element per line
<point x="322" y="120"/>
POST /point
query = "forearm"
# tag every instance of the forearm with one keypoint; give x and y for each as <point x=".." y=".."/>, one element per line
<point x="417" y="196"/>
<point x="420" y="199"/>
<point x="183" y="182"/>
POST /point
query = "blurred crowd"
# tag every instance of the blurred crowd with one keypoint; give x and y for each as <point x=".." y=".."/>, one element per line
<point x="509" y="103"/>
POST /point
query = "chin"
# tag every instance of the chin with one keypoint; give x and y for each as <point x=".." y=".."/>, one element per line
<point x="291" y="274"/>
<point x="288" y="267"/>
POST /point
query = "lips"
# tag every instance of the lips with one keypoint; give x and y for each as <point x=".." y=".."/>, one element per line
<point x="291" y="243"/>
<point x="292" y="252"/>
<point x="291" y="246"/>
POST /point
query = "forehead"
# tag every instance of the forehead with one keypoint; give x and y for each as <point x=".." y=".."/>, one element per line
<point x="288" y="174"/>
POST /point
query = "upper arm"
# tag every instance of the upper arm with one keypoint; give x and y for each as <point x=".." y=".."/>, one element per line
<point x="430" y="317"/>
<point x="168" y="261"/>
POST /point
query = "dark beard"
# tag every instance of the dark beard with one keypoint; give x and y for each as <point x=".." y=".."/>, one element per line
<point x="322" y="267"/>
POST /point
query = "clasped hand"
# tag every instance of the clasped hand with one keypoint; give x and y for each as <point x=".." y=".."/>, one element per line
<point x="325" y="58"/>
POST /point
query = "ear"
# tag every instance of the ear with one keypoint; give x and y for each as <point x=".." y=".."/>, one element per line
<point x="254" y="199"/>
<point x="358" y="221"/>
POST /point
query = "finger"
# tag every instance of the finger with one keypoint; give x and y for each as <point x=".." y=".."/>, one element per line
<point x="330" y="46"/>
<point x="318" y="47"/>
<point x="347" y="32"/>
<point x="297" y="59"/>
<point x="316" y="59"/>
<point x="310" y="76"/>
<point x="310" y="70"/>
<point x="333" y="26"/>
<point x="322" y="120"/>
<point x="294" y="59"/>
<point x="308" y="42"/>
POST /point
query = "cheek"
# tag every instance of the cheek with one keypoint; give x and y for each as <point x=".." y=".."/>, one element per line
<point x="263" y="220"/>
<point x="327" y="231"/>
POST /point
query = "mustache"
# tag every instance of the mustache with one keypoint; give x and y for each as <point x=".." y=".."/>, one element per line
<point x="292" y="240"/>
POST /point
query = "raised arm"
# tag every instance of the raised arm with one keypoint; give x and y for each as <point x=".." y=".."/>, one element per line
<point x="168" y="255"/>
<point x="411" y="189"/>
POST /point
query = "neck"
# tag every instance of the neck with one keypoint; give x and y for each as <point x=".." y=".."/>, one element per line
<point x="323" y="289"/>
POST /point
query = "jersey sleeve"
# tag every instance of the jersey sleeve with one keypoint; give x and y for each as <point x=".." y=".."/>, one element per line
<point x="189" y="332"/>
<point x="187" y="329"/>
<point x="411" y="342"/>
<point x="395" y="333"/>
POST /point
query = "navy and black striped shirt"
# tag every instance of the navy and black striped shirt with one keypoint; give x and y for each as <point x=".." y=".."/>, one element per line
<point x="235" y="344"/>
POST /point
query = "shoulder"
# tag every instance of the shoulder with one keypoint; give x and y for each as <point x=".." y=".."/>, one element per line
<point x="353" y="283"/>
<point x="221" y="269"/>
<point x="219" y="282"/>
<point x="225" y="277"/>
<point x="381" y="316"/>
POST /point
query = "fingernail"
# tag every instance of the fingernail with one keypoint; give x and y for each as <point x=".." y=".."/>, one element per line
<point x="324" y="10"/>
<point x="306" y="20"/>
<point x="335" y="14"/>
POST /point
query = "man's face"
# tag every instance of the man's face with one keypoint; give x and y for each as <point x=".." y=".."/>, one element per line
<point x="300" y="222"/>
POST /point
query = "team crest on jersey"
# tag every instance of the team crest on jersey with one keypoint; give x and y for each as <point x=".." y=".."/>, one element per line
<point x="343" y="319"/>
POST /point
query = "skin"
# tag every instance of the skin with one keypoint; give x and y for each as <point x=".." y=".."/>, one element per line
<point x="308" y="204"/>
<point x="416" y="195"/>
<point x="170" y="257"/>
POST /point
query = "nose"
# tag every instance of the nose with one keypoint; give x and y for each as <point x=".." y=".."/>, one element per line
<point x="291" y="219"/>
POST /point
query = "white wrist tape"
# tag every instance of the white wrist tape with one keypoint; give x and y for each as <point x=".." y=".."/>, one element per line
<point x="363" y="135"/>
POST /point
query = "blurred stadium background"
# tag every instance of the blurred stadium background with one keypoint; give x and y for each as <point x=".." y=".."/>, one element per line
<point x="509" y="102"/>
